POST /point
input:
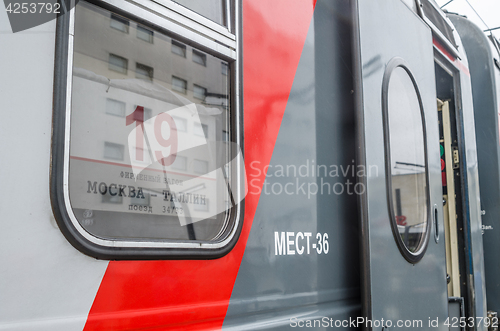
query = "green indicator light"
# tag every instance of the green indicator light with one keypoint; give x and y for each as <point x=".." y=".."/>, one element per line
<point x="441" y="148"/>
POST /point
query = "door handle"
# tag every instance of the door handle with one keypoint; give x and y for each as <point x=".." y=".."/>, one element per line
<point x="436" y="227"/>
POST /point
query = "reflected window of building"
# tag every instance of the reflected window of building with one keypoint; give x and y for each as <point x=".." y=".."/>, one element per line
<point x="200" y="166"/>
<point x="180" y="123"/>
<point x="201" y="130"/>
<point x="113" y="151"/>
<point x="199" y="57"/>
<point x="119" y="23"/>
<point x="180" y="163"/>
<point x="214" y="10"/>
<point x="115" y="107"/>
<point x="179" y="85"/>
<point x="143" y="71"/>
<point x="144" y="152"/>
<point x="199" y="92"/>
<point x="148" y="114"/>
<point x="225" y="136"/>
<point x="109" y="198"/>
<point x="224" y="68"/>
<point x="145" y="34"/>
<point x="202" y="206"/>
<point x="118" y="63"/>
<point x="142" y="200"/>
<point x="178" y="48"/>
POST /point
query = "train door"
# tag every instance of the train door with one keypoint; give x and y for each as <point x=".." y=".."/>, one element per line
<point x="403" y="254"/>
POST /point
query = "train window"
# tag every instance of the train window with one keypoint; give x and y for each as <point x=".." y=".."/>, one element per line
<point x="406" y="165"/>
<point x="151" y="163"/>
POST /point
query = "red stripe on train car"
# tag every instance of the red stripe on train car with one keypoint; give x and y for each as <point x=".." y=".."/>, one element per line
<point x="195" y="294"/>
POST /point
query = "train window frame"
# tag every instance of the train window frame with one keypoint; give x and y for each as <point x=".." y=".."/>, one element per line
<point x="411" y="257"/>
<point x="189" y="28"/>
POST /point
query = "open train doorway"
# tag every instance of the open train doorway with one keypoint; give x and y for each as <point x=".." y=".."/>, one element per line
<point x="453" y="184"/>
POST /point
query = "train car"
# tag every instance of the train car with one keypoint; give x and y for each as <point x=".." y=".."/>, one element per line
<point x="248" y="165"/>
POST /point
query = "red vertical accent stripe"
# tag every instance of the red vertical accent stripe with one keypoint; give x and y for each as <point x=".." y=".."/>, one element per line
<point x="459" y="64"/>
<point x="159" y="295"/>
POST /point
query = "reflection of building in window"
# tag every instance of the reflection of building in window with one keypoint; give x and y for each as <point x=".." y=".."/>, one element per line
<point x="199" y="92"/>
<point x="213" y="10"/>
<point x="148" y="113"/>
<point x="137" y="151"/>
<point x="178" y="48"/>
<point x="115" y="107"/>
<point x="410" y="206"/>
<point x="113" y="151"/>
<point x="144" y="34"/>
<point x="180" y="163"/>
<point x="200" y="130"/>
<point x="199" y="57"/>
<point x="201" y="207"/>
<point x="224" y="68"/>
<point x="200" y="166"/>
<point x="107" y="198"/>
<point x="119" y="23"/>
<point x="141" y="201"/>
<point x="180" y="123"/>
<point x="217" y="99"/>
<point x="179" y="84"/>
<point x="225" y="136"/>
<point x="143" y="71"/>
<point x="118" y="63"/>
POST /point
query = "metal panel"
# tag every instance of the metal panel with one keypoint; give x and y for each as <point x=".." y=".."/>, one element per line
<point x="395" y="289"/>
<point x="275" y="291"/>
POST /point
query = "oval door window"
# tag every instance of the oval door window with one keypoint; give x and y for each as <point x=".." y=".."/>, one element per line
<point x="406" y="165"/>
